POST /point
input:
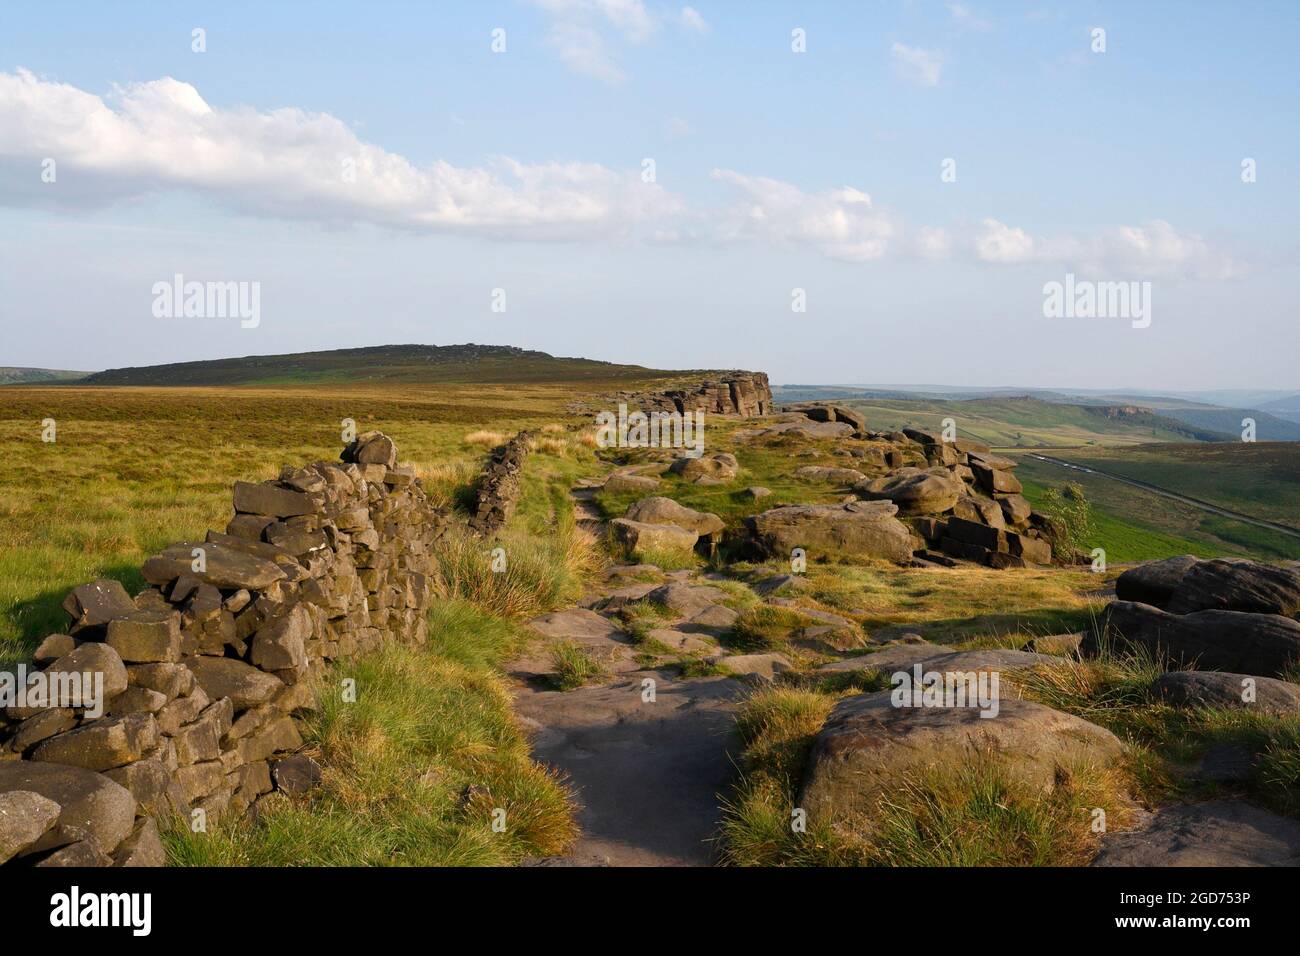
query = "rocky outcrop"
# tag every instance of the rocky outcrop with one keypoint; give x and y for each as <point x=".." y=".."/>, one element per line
<point x="205" y="670"/>
<point x="659" y="510"/>
<point x="498" y="489"/>
<point x="915" y="491"/>
<point x="1153" y="583"/>
<point x="858" y="529"/>
<point x="746" y="394"/>
<point x="1234" y="641"/>
<point x="1218" y="615"/>
<point x="1234" y="585"/>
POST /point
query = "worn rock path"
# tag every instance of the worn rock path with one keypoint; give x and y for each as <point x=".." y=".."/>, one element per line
<point x="647" y="753"/>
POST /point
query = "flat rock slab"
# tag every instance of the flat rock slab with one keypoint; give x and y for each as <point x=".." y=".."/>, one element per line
<point x="1219" y="833"/>
<point x="647" y="775"/>
<point x="936" y="657"/>
<point x="581" y="625"/>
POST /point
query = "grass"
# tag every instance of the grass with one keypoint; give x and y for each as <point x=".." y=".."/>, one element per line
<point x="574" y="665"/>
<point x="767" y="627"/>
<point x="1133" y="524"/>
<point x="971" y="815"/>
<point x="1113" y="690"/>
<point x="413" y="770"/>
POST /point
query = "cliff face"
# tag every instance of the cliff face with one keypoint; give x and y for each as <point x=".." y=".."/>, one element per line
<point x="746" y="394"/>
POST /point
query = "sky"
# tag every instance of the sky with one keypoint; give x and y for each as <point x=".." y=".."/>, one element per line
<point x="829" y="192"/>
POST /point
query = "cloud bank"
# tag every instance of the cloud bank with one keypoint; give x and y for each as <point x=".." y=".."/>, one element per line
<point x="161" y="136"/>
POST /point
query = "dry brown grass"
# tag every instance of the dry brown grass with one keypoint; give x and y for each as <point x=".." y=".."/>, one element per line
<point x="485" y="438"/>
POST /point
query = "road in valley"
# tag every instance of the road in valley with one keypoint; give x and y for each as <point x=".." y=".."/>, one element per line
<point x="1165" y="492"/>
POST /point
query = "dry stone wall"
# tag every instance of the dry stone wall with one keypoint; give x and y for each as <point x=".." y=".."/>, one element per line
<point x="499" y="489"/>
<point x="206" y="671"/>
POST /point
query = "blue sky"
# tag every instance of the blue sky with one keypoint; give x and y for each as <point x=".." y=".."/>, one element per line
<point x="774" y="171"/>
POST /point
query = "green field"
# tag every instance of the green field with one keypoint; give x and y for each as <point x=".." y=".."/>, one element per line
<point x="1261" y="479"/>
<point x="1136" y="525"/>
<point x="1027" y="422"/>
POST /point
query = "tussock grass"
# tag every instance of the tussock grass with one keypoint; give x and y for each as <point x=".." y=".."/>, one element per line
<point x="488" y="439"/>
<point x="574" y="665"/>
<point x="546" y="445"/>
<point x="767" y="626"/>
<point x="641" y="617"/>
<point x="552" y="428"/>
<point x="450" y="483"/>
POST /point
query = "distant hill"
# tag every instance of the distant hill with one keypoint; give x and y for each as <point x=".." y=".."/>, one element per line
<point x="21" y="376"/>
<point x="1278" y="420"/>
<point x="1025" y="422"/>
<point x="1288" y="408"/>
<point x="383" y="363"/>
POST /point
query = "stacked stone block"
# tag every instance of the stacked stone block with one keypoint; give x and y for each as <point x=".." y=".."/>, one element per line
<point x="207" y="669"/>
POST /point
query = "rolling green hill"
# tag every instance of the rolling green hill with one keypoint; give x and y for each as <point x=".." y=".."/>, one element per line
<point x="384" y="363"/>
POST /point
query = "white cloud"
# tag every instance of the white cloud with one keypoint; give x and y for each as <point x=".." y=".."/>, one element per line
<point x="163" y="136"/>
<point x="964" y="16"/>
<point x="1153" y="249"/>
<point x="692" y="20"/>
<point x="582" y="50"/>
<point x="583" y="31"/>
<point x="288" y="163"/>
<point x="840" y="223"/>
<point x="916" y="65"/>
<point x="1002" y="243"/>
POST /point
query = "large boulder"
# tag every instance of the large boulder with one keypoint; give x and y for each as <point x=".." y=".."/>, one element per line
<point x="984" y="511"/>
<point x="1237" y="586"/>
<point x="621" y="482"/>
<point x="659" y="510"/>
<point x="869" y="748"/>
<point x="855" y="529"/>
<point x="24" y="818"/>
<point x="1238" y="691"/>
<point x="1262" y="644"/>
<point x="371" y="448"/>
<point x="639" y="537"/>
<point x="89" y="802"/>
<point x="1154" y="582"/>
<point x="837" y="476"/>
<point x="721" y="467"/>
<point x="916" y="491"/>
